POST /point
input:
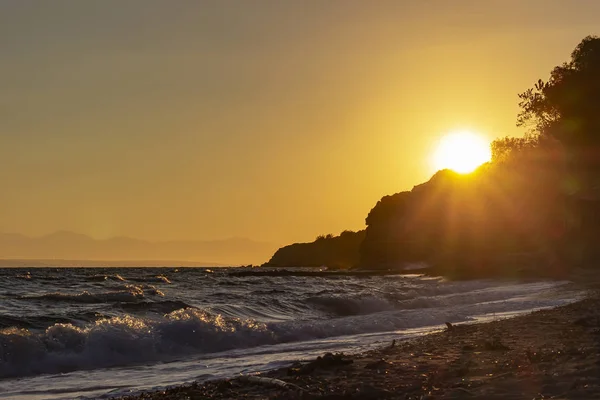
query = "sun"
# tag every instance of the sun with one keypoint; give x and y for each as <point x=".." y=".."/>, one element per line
<point x="461" y="151"/>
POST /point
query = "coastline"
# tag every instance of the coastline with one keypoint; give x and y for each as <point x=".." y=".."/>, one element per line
<point x="552" y="352"/>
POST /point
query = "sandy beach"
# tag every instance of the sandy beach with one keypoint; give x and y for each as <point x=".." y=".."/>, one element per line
<point x="541" y="355"/>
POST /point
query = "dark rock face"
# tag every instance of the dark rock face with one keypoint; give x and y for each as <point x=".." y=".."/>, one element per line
<point x="518" y="218"/>
<point x="329" y="251"/>
<point x="470" y="222"/>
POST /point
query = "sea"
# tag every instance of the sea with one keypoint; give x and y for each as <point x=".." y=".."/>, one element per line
<point x="88" y="333"/>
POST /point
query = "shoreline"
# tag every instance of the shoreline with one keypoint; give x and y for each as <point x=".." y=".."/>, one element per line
<point x="551" y="352"/>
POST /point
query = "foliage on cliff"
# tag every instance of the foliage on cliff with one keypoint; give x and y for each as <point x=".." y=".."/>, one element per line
<point x="565" y="107"/>
<point x="327" y="250"/>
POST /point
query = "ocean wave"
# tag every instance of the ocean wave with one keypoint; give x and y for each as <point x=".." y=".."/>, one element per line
<point x="162" y="278"/>
<point x="129" y="340"/>
<point x="26" y="275"/>
<point x="122" y="341"/>
<point x="129" y="293"/>
<point x="344" y="306"/>
<point x="101" y="278"/>
<point x="162" y="307"/>
<point x="424" y="297"/>
<point x="32" y="321"/>
<point x="152" y="279"/>
<point x="461" y="294"/>
<point x="269" y="292"/>
<point x="271" y="310"/>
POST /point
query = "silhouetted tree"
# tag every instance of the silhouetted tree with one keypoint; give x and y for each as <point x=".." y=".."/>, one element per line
<point x="505" y="148"/>
<point x="324" y="237"/>
<point x="566" y="106"/>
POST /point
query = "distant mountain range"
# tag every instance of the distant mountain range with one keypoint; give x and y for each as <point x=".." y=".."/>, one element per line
<point x="66" y="245"/>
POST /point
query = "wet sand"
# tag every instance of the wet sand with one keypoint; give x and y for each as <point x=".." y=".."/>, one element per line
<point x="545" y="354"/>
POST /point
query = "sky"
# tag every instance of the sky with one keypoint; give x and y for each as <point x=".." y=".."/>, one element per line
<point x="271" y="120"/>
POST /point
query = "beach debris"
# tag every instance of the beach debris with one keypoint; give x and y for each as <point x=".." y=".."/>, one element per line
<point x="503" y="375"/>
<point x="532" y="356"/>
<point x="224" y="385"/>
<point x="379" y="364"/>
<point x="495" y="345"/>
<point x="587" y="322"/>
<point x="450" y="327"/>
<point x="270" y="382"/>
<point x="370" y="392"/>
<point x="463" y="390"/>
<point x="468" y="347"/>
<point x="328" y="360"/>
<point x="463" y="369"/>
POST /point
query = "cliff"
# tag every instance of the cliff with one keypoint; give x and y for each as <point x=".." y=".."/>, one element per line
<point x="536" y="206"/>
<point x="469" y="224"/>
<point x="517" y="217"/>
<point x="331" y="251"/>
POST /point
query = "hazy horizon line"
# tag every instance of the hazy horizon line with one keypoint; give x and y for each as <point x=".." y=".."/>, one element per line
<point x="65" y="263"/>
<point x="74" y="233"/>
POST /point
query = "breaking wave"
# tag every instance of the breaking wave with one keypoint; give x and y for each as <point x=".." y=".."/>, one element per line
<point x="123" y="340"/>
<point x="127" y="340"/>
<point x="422" y="298"/>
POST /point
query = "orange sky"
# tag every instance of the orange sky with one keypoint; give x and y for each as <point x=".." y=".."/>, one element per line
<point x="272" y="120"/>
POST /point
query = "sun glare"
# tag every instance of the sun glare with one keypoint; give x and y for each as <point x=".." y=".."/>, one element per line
<point x="461" y="151"/>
